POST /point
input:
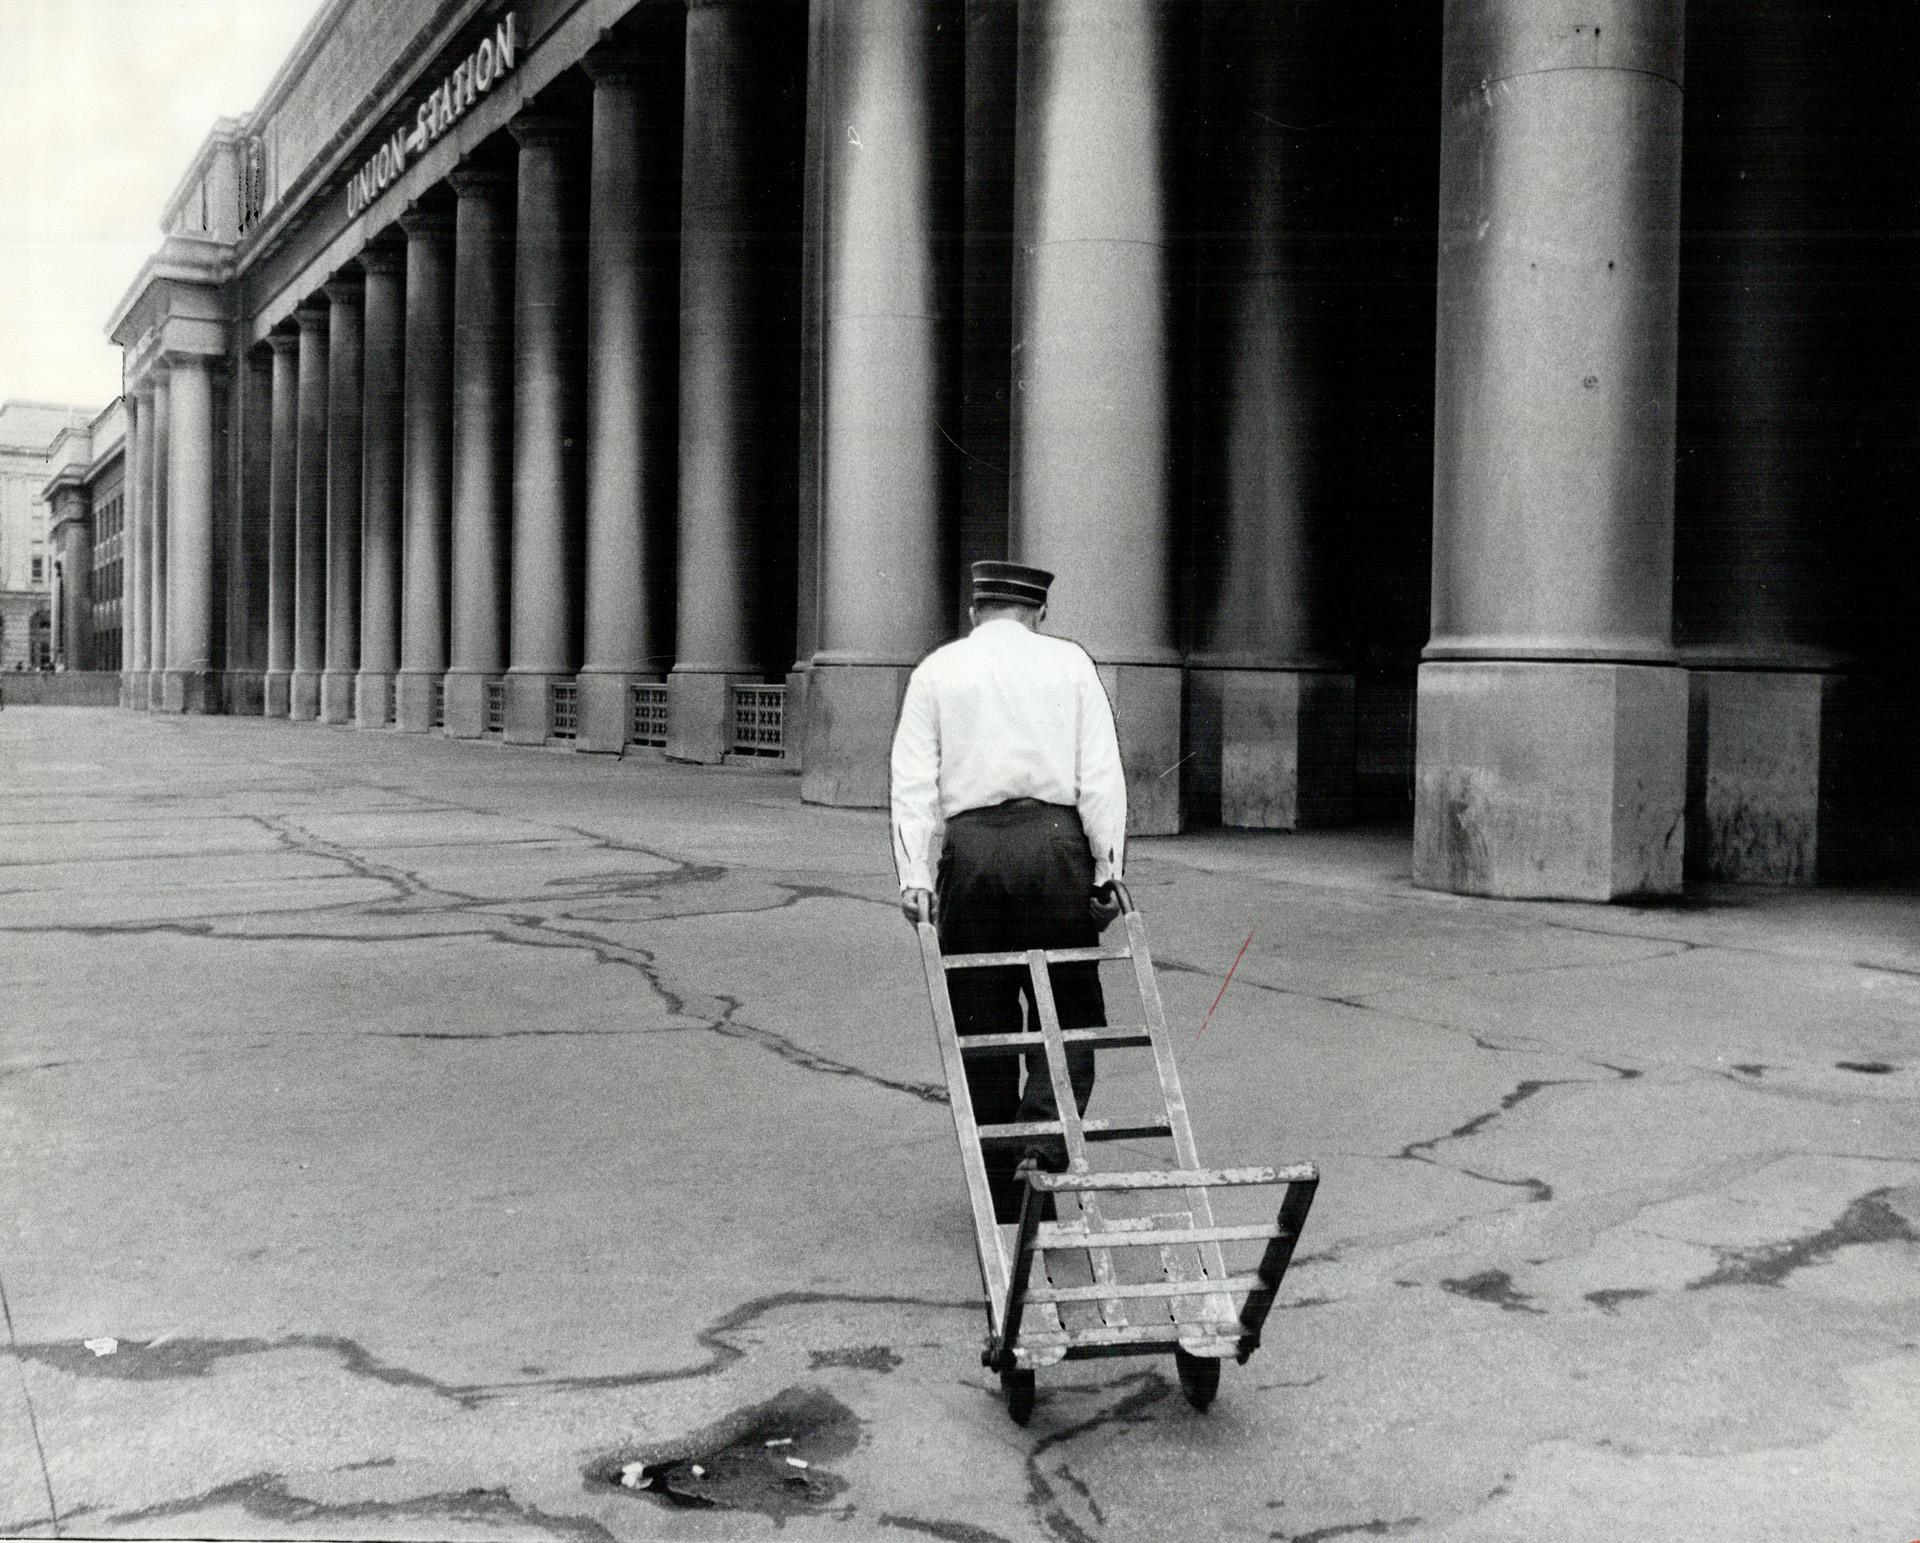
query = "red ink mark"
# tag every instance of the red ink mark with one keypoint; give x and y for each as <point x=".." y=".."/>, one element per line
<point x="1223" y="986"/>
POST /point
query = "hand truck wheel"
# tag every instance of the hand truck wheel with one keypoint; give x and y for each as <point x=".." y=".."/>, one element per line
<point x="1017" y="1384"/>
<point x="1199" y="1377"/>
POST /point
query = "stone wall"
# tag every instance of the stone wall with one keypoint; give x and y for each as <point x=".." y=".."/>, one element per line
<point x="70" y="688"/>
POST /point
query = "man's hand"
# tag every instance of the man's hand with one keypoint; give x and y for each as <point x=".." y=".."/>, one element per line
<point x="917" y="905"/>
<point x="1104" y="906"/>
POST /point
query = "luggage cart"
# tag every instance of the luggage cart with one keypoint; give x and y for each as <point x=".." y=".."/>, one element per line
<point x="1189" y="1308"/>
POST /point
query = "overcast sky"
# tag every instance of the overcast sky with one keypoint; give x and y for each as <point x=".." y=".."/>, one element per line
<point x="102" y="104"/>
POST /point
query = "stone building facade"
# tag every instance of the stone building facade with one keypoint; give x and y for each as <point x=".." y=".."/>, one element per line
<point x="29" y="437"/>
<point x="85" y="498"/>
<point x="1501" y="409"/>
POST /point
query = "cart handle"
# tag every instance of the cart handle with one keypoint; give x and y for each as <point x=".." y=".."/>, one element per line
<point x="1124" y="896"/>
<point x="923" y="910"/>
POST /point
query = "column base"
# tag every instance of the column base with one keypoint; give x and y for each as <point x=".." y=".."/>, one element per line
<point x="529" y="719"/>
<point x="133" y="691"/>
<point x="303" y="700"/>
<point x="336" y="696"/>
<point x="847" y="731"/>
<point x="799" y="688"/>
<point x="156" y="691"/>
<point x="1269" y="749"/>
<point x="1550" y="781"/>
<point x="466" y="703"/>
<point x="1146" y="711"/>
<point x="1771" y="796"/>
<point x="245" y="693"/>
<point x="279" y="693"/>
<point x="187" y="691"/>
<point x="700" y="715"/>
<point x="413" y="701"/>
<point x="373" y="699"/>
<point x="605" y="710"/>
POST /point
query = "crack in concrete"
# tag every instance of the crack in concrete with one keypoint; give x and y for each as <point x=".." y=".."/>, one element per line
<point x="1868" y="1219"/>
<point x="950" y="1532"/>
<point x="514" y="929"/>
<point x="1149" y="1388"/>
<point x="33" y="1415"/>
<point x="187" y="1357"/>
<point x="267" y="1497"/>
<point x="1378" y="1527"/>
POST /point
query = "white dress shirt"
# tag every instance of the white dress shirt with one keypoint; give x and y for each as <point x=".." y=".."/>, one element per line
<point x="1005" y="713"/>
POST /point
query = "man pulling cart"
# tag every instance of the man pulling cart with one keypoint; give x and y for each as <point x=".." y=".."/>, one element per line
<point x="1006" y="739"/>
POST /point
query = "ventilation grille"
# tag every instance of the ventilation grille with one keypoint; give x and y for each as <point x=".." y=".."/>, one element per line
<point x="647" y="715"/>
<point x="759" y="718"/>
<point x="563" y="709"/>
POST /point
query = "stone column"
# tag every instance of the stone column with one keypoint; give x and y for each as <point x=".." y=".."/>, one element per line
<point x="281" y="481"/>
<point x="739" y="212"/>
<point x="1551" y="754"/>
<point x="380" y="485"/>
<point x="70" y="537"/>
<point x="190" y="684"/>
<point x="1270" y="699"/>
<point x="892" y="73"/>
<point x="345" y="362"/>
<point x="549" y="462"/>
<point x="429" y="421"/>
<point x="135" y="546"/>
<point x="250" y="556"/>
<point x="310" y="517"/>
<point x="1776" y="285"/>
<point x="1092" y="419"/>
<point x="482" y="441"/>
<point x="157" y="548"/>
<point x="632" y="311"/>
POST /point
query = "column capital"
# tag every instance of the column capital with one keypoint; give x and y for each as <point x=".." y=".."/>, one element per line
<point x="383" y="257"/>
<point x="479" y="181"/>
<point x="427" y="222"/>
<point x="284" y="341"/>
<point x="343" y="288"/>
<point x="188" y="359"/>
<point x="616" y="64"/>
<point x="313" y="316"/>
<point x="539" y="127"/>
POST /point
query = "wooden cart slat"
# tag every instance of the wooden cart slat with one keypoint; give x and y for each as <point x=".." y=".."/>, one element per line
<point x="1055" y="955"/>
<point x="1067" y="1236"/>
<point x="1174" y="1178"/>
<point x="1034" y="1044"/>
<point x="1144" y="1289"/>
<point x="1019" y="1132"/>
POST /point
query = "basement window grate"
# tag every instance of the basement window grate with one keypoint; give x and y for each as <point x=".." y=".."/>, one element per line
<point x="563" y="709"/>
<point x="437" y="710"/>
<point x="496" y="707"/>
<point x="759" y="714"/>
<point x="647" y="715"/>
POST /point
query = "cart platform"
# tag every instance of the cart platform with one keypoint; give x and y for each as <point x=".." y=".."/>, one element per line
<point x="1095" y="1283"/>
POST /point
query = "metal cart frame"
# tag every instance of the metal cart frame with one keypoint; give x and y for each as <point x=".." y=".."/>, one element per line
<point x="1192" y="1304"/>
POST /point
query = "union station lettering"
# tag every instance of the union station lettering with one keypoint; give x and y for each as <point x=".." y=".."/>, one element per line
<point x="444" y="106"/>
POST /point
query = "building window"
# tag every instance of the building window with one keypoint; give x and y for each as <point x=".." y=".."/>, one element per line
<point x="38" y="572"/>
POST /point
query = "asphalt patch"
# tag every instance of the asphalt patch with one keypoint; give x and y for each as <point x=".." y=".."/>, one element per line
<point x="769" y="1458"/>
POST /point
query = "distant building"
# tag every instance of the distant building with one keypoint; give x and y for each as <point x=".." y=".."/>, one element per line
<point x="86" y="511"/>
<point x="1499" y="413"/>
<point x="28" y="434"/>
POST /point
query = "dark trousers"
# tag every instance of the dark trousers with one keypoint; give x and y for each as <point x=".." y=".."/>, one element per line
<point x="1016" y="876"/>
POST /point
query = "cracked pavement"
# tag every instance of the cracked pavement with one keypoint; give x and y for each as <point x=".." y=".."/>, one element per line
<point x="440" y="1129"/>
